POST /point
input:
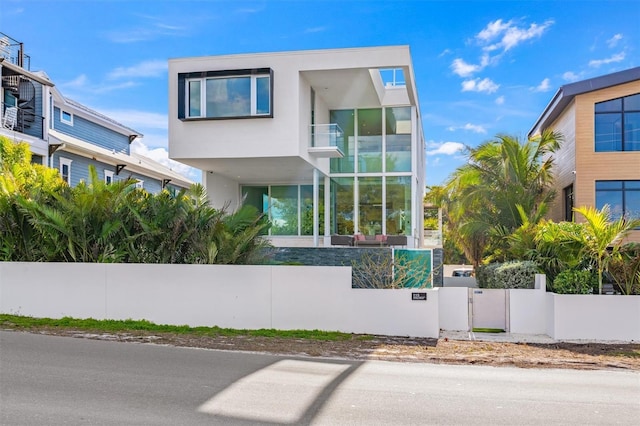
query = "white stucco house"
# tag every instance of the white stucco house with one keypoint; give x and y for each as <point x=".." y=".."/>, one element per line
<point x="325" y="141"/>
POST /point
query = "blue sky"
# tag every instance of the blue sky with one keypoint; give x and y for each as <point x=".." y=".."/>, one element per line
<point x="482" y="68"/>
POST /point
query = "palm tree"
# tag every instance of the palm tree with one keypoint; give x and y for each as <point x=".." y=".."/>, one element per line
<point x="601" y="237"/>
<point x="504" y="185"/>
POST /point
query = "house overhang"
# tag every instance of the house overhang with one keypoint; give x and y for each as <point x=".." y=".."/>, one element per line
<point x="565" y="95"/>
<point x="120" y="161"/>
<point x="9" y="69"/>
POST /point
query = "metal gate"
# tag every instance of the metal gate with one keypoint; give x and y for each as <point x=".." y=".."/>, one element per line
<point x="488" y="308"/>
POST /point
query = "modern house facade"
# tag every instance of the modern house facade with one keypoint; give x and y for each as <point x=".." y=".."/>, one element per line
<point x="599" y="160"/>
<point x="325" y="142"/>
<point x="68" y="136"/>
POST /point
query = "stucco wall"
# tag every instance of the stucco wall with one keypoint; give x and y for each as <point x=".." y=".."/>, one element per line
<point x="253" y="297"/>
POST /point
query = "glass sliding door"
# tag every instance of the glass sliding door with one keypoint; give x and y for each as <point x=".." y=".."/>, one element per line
<point x="284" y="210"/>
<point x="306" y="210"/>
<point x="342" y="209"/>
<point x="370" y="205"/>
<point x="398" y="205"/>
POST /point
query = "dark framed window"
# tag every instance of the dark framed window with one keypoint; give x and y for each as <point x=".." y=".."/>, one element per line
<point x="617" y="124"/>
<point x="567" y="193"/>
<point x="225" y="94"/>
<point x="622" y="196"/>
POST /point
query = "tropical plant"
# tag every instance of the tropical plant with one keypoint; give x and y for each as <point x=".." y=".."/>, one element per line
<point x="505" y="184"/>
<point x="20" y="178"/>
<point x="625" y="269"/>
<point x="575" y="281"/>
<point x="601" y="237"/>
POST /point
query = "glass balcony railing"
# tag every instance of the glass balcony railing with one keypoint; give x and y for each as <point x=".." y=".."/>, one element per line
<point x="326" y="135"/>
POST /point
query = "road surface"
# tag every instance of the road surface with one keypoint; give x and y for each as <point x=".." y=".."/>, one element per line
<point x="47" y="380"/>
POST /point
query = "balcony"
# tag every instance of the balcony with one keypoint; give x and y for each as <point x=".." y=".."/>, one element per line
<point x="12" y="51"/>
<point x="25" y="122"/>
<point x="325" y="140"/>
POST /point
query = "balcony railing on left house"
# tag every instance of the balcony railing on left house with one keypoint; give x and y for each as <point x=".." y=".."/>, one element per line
<point x="22" y="120"/>
<point x="13" y="51"/>
<point x="325" y="140"/>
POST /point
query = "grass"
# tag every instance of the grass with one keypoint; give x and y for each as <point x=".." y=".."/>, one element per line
<point x="488" y="330"/>
<point x="129" y="325"/>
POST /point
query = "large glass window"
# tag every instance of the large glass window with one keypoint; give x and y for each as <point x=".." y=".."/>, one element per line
<point x="617" y="124"/>
<point x="346" y="120"/>
<point x="370" y="140"/>
<point x="398" y="205"/>
<point x="342" y="211"/>
<point x="398" y="139"/>
<point x="228" y="94"/>
<point x="622" y="196"/>
<point x="289" y="207"/>
<point x="370" y="196"/>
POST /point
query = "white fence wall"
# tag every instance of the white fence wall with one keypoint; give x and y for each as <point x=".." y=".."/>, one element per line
<point x="454" y="308"/>
<point x="601" y="317"/>
<point x="283" y="297"/>
<point x="292" y="297"/>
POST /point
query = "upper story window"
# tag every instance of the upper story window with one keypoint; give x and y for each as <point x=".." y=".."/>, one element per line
<point x="617" y="124"/>
<point x="225" y="94"/>
<point x="66" y="117"/>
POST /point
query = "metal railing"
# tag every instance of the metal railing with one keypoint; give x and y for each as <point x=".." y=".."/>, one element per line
<point x="13" y="51"/>
<point x="26" y="122"/>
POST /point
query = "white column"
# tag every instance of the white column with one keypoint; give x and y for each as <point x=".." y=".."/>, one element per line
<point x="327" y="210"/>
<point x="316" y="203"/>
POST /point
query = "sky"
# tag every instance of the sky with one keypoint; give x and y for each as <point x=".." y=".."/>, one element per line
<point x="482" y="68"/>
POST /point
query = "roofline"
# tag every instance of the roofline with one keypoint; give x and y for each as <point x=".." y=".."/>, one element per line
<point x="138" y="163"/>
<point x="566" y="93"/>
<point x="291" y="52"/>
<point x="20" y="70"/>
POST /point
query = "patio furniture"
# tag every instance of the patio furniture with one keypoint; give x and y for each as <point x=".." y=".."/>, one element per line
<point x="10" y="118"/>
<point x="341" y="240"/>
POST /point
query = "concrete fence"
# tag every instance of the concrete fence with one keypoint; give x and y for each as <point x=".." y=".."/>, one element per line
<point x="294" y="297"/>
<point x="251" y="297"/>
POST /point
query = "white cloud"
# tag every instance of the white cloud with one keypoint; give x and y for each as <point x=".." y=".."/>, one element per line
<point x="444" y="53"/>
<point x="476" y="128"/>
<point x="149" y="28"/>
<point x="81" y="84"/>
<point x="161" y="155"/>
<point x="445" y="148"/>
<point x="500" y="100"/>
<point x="493" y="29"/>
<point x="477" y="85"/>
<point x="463" y="69"/>
<point x="153" y="68"/>
<point x="613" y="41"/>
<point x="138" y="119"/>
<point x="499" y="35"/>
<point x="570" y="76"/>
<point x="315" y="30"/>
<point x="618" y="57"/>
<point x="544" y="86"/>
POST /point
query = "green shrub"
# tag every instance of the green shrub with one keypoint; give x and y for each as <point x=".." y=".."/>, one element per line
<point x="514" y="274"/>
<point x="572" y="281"/>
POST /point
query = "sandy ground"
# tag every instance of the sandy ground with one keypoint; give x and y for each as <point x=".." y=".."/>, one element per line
<point x="589" y="356"/>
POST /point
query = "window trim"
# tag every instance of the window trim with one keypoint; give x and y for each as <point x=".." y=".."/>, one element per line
<point x="108" y="174"/>
<point x="254" y="74"/>
<point x="622" y="113"/>
<point x="65" y="162"/>
<point x="65" y="121"/>
<point x="622" y="189"/>
<point x="139" y="184"/>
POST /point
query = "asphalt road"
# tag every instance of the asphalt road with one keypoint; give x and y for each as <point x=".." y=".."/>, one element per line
<point x="46" y="380"/>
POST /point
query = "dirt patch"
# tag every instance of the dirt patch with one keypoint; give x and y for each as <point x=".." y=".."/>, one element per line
<point x="589" y="356"/>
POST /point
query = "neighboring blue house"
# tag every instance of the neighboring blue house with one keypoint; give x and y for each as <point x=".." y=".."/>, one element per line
<point x="67" y="135"/>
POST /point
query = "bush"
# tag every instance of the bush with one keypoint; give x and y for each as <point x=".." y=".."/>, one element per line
<point x="515" y="274"/>
<point x="572" y="281"/>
